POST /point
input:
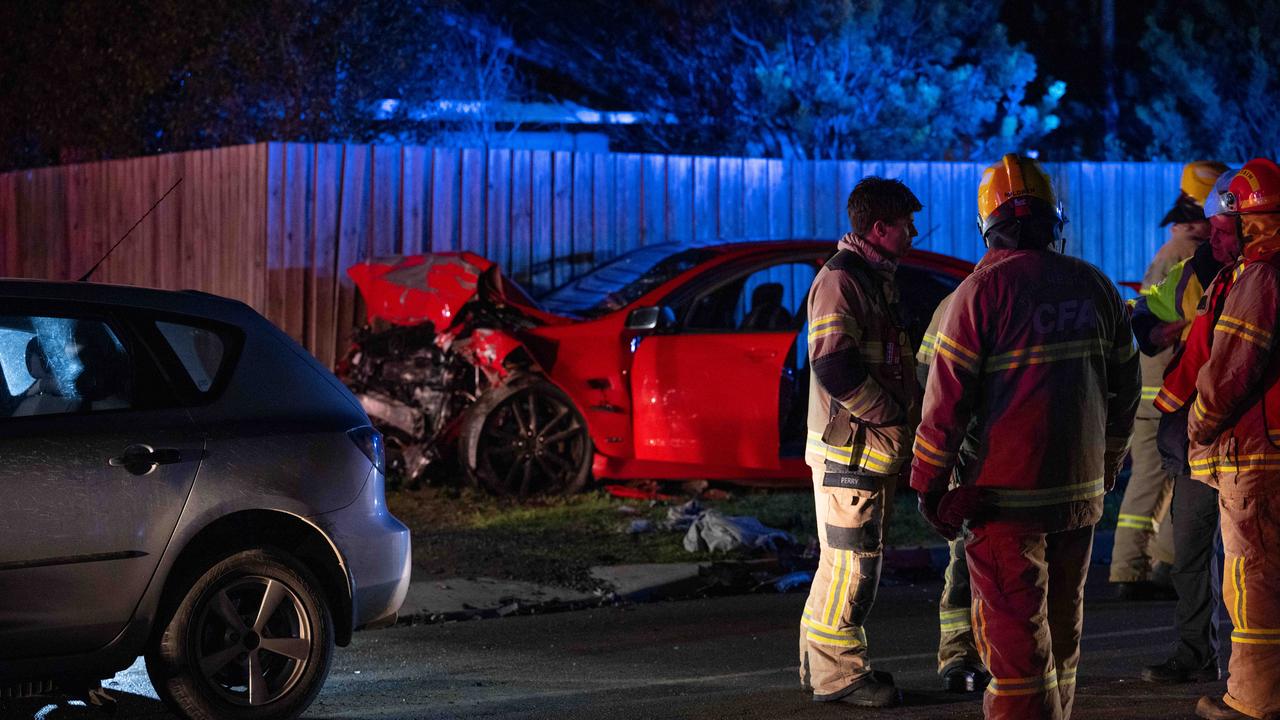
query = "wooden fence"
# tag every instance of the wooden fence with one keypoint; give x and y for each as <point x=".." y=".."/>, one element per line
<point x="276" y="225"/>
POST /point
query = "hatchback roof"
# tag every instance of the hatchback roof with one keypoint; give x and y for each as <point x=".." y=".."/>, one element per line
<point x="186" y="302"/>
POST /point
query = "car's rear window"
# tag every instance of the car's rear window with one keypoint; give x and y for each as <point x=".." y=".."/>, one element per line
<point x="201" y="351"/>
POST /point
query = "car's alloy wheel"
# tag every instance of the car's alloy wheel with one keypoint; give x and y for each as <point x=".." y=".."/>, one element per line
<point x="527" y="438"/>
<point x="252" y="638"/>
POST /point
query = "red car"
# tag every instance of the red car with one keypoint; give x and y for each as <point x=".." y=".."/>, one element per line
<point x="670" y="362"/>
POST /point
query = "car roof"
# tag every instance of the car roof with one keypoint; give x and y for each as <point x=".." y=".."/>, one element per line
<point x="916" y="256"/>
<point x="184" y="302"/>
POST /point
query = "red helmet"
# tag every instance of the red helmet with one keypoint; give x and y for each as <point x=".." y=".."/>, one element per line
<point x="1255" y="189"/>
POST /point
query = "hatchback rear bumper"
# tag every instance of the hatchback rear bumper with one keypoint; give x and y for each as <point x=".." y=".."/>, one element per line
<point x="375" y="551"/>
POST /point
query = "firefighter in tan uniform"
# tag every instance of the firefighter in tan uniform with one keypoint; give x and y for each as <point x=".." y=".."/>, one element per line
<point x="863" y="405"/>
<point x="1234" y="429"/>
<point x="1143" y="548"/>
<point x="1035" y="359"/>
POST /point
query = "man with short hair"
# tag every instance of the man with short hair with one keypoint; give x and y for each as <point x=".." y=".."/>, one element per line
<point x="1035" y="359"/>
<point x="863" y="406"/>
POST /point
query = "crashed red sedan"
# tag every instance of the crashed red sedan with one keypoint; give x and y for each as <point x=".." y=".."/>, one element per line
<point x="669" y="362"/>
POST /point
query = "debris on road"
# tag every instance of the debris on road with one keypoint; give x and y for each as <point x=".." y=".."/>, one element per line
<point x="639" y="527"/>
<point x="794" y="580"/>
<point x="717" y="532"/>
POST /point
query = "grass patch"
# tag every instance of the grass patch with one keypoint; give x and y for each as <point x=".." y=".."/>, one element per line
<point x="555" y="541"/>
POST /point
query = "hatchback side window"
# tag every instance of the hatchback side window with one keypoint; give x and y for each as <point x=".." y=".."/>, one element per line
<point x="55" y="365"/>
<point x="200" y="350"/>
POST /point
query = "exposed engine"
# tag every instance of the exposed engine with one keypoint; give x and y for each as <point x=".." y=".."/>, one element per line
<point x="414" y="391"/>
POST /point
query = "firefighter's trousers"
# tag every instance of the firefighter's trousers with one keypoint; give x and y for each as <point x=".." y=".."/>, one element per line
<point x="1143" y="536"/>
<point x="1251" y="592"/>
<point x="1028" y="611"/>
<point x="1196" y="572"/>
<point x="833" y="646"/>
<point x="955" y="643"/>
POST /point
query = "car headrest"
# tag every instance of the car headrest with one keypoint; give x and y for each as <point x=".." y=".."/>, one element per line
<point x="767" y="294"/>
<point x="37" y="363"/>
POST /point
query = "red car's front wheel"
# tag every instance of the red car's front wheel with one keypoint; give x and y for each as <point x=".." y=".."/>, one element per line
<point x="526" y="438"/>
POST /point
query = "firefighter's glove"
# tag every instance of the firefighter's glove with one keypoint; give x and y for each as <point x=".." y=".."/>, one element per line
<point x="929" y="502"/>
<point x="963" y="503"/>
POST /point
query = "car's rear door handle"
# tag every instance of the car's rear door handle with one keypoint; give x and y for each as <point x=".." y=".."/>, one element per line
<point x="142" y="459"/>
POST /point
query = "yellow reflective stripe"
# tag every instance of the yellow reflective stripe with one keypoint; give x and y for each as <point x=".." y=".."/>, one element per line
<point x="1244" y="329"/>
<point x="841" y="569"/>
<point x="1237" y="637"/>
<point x="832" y="324"/>
<point x="825" y="634"/>
<point x="1040" y="354"/>
<point x="1066" y="677"/>
<point x="1006" y="687"/>
<point x="928" y="452"/>
<point x="928" y="348"/>
<point x="1232" y="463"/>
<point x="1149" y="392"/>
<point x="980" y="632"/>
<point x="951" y="349"/>
<point x="1137" y="522"/>
<point x="1237" y="576"/>
<point x="1168" y="402"/>
<point x="954" y="620"/>
<point x="1201" y="412"/>
<point x="1040" y="497"/>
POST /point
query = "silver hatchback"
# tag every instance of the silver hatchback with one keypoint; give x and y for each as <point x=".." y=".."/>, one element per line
<point x="182" y="481"/>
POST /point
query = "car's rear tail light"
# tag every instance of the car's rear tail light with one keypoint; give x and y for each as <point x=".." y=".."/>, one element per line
<point x="370" y="443"/>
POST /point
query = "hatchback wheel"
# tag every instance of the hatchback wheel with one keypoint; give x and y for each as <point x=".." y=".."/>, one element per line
<point x="252" y="638"/>
<point x="526" y="438"/>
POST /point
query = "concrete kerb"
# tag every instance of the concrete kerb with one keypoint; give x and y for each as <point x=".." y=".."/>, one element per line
<point x="458" y="599"/>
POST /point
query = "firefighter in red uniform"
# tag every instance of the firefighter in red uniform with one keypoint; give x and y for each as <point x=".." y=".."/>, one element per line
<point x="1035" y="348"/>
<point x="1234" y="428"/>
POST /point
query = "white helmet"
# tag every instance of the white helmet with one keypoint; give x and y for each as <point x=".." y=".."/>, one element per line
<point x="1217" y="201"/>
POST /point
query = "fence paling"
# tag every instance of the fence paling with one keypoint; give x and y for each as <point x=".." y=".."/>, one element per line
<point x="276" y="225"/>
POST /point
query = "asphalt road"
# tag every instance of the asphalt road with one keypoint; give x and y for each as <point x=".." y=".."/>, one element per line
<point x="716" y="658"/>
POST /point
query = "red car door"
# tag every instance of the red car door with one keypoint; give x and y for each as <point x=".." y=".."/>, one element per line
<point x="709" y="399"/>
<point x="711" y="391"/>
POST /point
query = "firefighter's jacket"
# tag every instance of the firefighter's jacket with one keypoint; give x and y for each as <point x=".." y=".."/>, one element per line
<point x="1179" y="386"/>
<point x="1234" y="424"/>
<point x="863" y="399"/>
<point x="1037" y="347"/>
<point x="1174" y="299"/>
<point x="1169" y="259"/>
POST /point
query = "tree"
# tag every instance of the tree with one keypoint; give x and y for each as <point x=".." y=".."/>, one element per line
<point x="96" y="80"/>
<point x="1211" y="85"/>
<point x="799" y="78"/>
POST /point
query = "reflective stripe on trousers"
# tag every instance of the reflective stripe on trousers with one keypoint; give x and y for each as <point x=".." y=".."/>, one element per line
<point x="1251" y="594"/>
<point x="833" y="647"/>
<point x="1029" y="634"/>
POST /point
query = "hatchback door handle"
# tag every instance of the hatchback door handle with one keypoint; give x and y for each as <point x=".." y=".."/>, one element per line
<point x="142" y="459"/>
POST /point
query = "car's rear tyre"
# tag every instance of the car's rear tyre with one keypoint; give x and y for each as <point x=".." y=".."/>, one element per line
<point x="526" y="438"/>
<point x="252" y="639"/>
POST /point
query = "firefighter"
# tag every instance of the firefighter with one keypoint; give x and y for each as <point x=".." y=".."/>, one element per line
<point x="1035" y="349"/>
<point x="959" y="664"/>
<point x="863" y="406"/>
<point x="1198" y="282"/>
<point x="1234" y="428"/>
<point x="1143" y="550"/>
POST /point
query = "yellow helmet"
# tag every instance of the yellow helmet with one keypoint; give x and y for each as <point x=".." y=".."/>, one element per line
<point x="1198" y="178"/>
<point x="1015" y="178"/>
